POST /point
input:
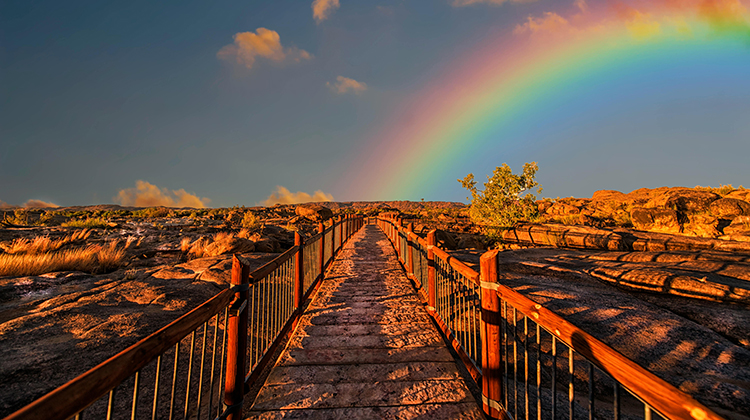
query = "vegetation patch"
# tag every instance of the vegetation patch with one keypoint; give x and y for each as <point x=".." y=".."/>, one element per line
<point x="505" y="200"/>
<point x="96" y="258"/>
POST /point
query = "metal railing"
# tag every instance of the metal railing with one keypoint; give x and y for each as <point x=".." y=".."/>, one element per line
<point x="530" y="362"/>
<point x="199" y="365"/>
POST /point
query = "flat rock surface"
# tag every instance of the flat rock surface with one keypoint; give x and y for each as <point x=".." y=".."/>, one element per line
<point x="57" y="326"/>
<point x="657" y="331"/>
<point x="366" y="348"/>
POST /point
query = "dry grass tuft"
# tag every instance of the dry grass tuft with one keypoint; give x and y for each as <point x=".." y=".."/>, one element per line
<point x="200" y="247"/>
<point x="722" y="190"/>
<point x="90" y="223"/>
<point x="194" y="249"/>
<point x="95" y="258"/>
<point x="43" y="244"/>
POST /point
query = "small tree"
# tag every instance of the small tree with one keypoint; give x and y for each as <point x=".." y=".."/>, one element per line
<point x="506" y="198"/>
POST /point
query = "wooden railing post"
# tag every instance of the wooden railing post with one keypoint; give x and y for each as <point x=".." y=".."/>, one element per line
<point x="431" y="292"/>
<point x="341" y="233"/>
<point x="234" y="386"/>
<point x="492" y="374"/>
<point x="299" y="273"/>
<point x="333" y="239"/>
<point x="397" y="240"/>
<point x="322" y="229"/>
<point x="409" y="237"/>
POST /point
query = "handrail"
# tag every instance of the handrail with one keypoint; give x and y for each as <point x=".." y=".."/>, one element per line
<point x="497" y="301"/>
<point x="240" y="335"/>
<point x="664" y="397"/>
<point x="99" y="380"/>
<point x="272" y="265"/>
<point x="457" y="265"/>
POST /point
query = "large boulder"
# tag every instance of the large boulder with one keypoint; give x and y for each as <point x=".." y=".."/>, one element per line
<point x="739" y="224"/>
<point x="609" y="195"/>
<point x="655" y="220"/>
<point x="743" y="194"/>
<point x="729" y="208"/>
<point x="562" y="209"/>
<point x="445" y="240"/>
<point x="470" y="242"/>
<point x="685" y="200"/>
<point x="313" y="212"/>
<point x="701" y="224"/>
<point x="641" y="196"/>
<point x="543" y="205"/>
<point x="267" y="245"/>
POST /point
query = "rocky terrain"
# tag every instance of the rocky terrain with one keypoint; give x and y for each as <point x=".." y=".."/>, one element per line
<point x="682" y="255"/>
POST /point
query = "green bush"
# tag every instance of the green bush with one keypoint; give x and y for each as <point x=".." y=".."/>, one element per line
<point x="251" y="222"/>
<point x="506" y="199"/>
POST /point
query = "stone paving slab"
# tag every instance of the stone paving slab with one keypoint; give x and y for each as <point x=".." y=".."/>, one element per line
<point x="320" y="374"/>
<point x="348" y="355"/>
<point x="367" y="394"/>
<point x="458" y="411"/>
<point x="416" y="339"/>
<point x="365" y="349"/>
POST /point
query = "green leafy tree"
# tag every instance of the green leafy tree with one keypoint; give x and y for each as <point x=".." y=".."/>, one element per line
<point x="506" y="199"/>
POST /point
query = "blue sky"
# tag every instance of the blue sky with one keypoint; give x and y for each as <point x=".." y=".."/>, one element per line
<point x="95" y="96"/>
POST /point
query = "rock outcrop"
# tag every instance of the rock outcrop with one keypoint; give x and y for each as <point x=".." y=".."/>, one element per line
<point x="655" y="220"/>
<point x="313" y="212"/>
<point x="687" y="211"/>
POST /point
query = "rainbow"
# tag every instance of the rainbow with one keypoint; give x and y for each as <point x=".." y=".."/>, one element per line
<point x="509" y="79"/>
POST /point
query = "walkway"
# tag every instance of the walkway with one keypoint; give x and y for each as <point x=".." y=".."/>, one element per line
<point x="366" y="349"/>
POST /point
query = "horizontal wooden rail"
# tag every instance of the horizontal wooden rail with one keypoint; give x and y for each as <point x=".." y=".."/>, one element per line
<point x="661" y="396"/>
<point x="80" y="392"/>
<point x="457" y="265"/>
<point x="268" y="268"/>
<point x="313" y="238"/>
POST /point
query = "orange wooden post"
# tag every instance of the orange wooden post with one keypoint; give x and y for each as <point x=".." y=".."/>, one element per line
<point x="333" y="239"/>
<point x="409" y="237"/>
<point x="322" y="229"/>
<point x="397" y="239"/>
<point x="431" y="292"/>
<point x="234" y="386"/>
<point x="341" y="233"/>
<point x="492" y="374"/>
<point x="299" y="273"/>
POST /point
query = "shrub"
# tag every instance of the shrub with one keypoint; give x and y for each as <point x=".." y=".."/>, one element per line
<point x="251" y="222"/>
<point x="93" y="223"/>
<point x="506" y="198"/>
<point x="151" y="212"/>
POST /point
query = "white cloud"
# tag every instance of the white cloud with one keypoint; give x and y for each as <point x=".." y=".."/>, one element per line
<point x="39" y="204"/>
<point x="345" y="85"/>
<point x="323" y="9"/>
<point x="284" y="196"/>
<point x="462" y="3"/>
<point x="265" y="43"/>
<point x="146" y="194"/>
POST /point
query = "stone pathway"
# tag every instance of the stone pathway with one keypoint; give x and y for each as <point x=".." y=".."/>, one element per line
<point x="366" y="349"/>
